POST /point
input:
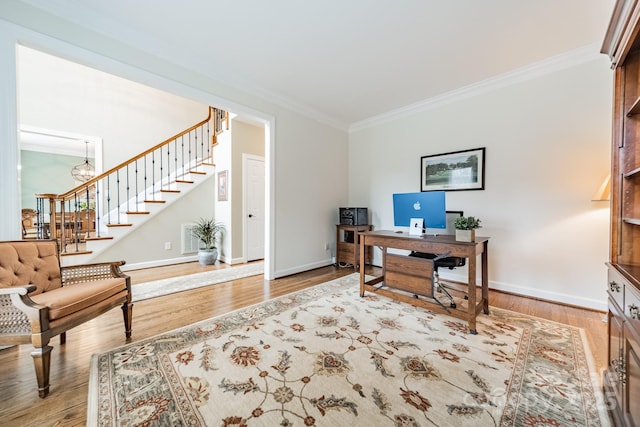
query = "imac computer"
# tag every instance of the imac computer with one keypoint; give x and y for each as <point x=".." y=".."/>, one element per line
<point x="430" y="206"/>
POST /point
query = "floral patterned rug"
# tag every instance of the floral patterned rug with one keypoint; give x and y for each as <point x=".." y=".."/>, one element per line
<point x="325" y="356"/>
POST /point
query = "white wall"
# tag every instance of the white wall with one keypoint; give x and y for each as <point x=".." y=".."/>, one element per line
<point x="128" y="116"/>
<point x="306" y="160"/>
<point x="547" y="142"/>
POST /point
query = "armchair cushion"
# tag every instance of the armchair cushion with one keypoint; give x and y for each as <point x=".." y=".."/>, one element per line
<point x="70" y="299"/>
<point x="36" y="264"/>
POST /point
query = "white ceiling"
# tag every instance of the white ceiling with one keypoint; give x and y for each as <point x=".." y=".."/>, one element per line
<point x="345" y="61"/>
<point x="56" y="142"/>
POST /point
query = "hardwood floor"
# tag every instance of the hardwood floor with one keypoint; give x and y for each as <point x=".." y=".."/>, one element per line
<point x="66" y="404"/>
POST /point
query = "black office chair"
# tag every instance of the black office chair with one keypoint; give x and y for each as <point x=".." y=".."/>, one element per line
<point x="443" y="260"/>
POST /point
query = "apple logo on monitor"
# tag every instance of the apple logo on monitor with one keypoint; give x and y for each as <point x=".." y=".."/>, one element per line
<point x="416" y="206"/>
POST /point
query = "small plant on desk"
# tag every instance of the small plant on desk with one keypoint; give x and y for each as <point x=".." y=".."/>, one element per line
<point x="466" y="228"/>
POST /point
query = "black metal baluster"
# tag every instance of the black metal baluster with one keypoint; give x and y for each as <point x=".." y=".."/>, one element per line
<point x="118" y="195"/>
<point x="97" y="208"/>
<point x="189" y="151"/>
<point x="209" y="154"/>
<point x="146" y="185"/>
<point x="168" y="167"/>
<point x="175" y="159"/>
<point x="184" y="170"/>
<point x="195" y="137"/>
<point x="127" y="188"/>
<point x="153" y="174"/>
<point x="136" y="185"/>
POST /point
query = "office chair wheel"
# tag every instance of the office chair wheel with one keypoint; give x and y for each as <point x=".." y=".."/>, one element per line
<point x="453" y="305"/>
<point x="466" y="297"/>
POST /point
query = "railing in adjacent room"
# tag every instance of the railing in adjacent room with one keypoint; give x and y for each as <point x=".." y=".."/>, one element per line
<point x="84" y="212"/>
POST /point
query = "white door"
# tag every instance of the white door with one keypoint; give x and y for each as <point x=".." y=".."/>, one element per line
<point x="254" y="178"/>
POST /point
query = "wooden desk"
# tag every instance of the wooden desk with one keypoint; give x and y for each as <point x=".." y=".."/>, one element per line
<point x="442" y="244"/>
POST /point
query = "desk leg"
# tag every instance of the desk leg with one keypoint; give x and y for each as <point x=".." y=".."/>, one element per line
<point x="485" y="278"/>
<point x="471" y="294"/>
<point x="363" y="249"/>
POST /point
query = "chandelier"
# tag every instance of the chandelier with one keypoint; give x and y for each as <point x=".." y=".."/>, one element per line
<point x="84" y="171"/>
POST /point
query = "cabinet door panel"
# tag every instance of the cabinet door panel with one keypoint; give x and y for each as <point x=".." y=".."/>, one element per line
<point x="614" y="383"/>
<point x="632" y="383"/>
<point x="615" y="350"/>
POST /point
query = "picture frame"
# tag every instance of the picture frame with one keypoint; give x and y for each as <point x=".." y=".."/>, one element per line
<point x="223" y="185"/>
<point x="457" y="170"/>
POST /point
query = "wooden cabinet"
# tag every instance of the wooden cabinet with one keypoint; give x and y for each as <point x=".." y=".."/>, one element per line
<point x="348" y="245"/>
<point x="622" y="377"/>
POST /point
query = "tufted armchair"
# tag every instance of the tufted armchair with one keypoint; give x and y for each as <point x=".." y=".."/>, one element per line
<point x="39" y="299"/>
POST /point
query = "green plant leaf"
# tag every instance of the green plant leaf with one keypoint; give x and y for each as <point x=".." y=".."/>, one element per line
<point x="206" y="230"/>
<point x="467" y="223"/>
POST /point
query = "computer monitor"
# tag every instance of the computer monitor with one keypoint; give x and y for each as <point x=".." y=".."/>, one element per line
<point x="450" y="229"/>
<point x="429" y="205"/>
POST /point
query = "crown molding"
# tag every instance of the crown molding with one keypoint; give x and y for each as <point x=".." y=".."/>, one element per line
<point x="519" y="75"/>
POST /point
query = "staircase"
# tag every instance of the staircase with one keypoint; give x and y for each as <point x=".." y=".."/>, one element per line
<point x="90" y="217"/>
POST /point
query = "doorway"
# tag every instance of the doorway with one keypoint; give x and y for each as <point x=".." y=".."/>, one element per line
<point x="156" y="83"/>
<point x="47" y="157"/>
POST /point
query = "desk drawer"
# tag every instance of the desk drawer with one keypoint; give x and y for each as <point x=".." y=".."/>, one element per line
<point x="409" y="274"/>
<point x="616" y="287"/>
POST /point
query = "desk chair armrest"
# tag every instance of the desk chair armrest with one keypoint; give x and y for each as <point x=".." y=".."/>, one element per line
<point x="441" y="256"/>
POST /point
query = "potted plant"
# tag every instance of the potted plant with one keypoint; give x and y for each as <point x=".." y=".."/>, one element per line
<point x="466" y="228"/>
<point x="206" y="230"/>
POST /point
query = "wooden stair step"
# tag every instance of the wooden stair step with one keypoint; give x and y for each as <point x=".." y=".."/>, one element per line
<point x="119" y="225"/>
<point x="195" y="172"/>
<point x="75" y="253"/>
<point x="100" y="238"/>
<point x="184" y="181"/>
<point x="154" y="201"/>
<point x="166" y="190"/>
<point x="137" y="212"/>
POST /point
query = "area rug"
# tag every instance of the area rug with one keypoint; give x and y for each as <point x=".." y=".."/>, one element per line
<point x="172" y="285"/>
<point x="325" y="356"/>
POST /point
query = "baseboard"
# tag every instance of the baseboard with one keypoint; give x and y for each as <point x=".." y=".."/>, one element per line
<point x="555" y="297"/>
<point x="302" y="268"/>
<point x="231" y="261"/>
<point x="158" y="263"/>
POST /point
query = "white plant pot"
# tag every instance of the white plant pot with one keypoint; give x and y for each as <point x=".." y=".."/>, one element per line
<point x="207" y="256"/>
<point x="466" y="235"/>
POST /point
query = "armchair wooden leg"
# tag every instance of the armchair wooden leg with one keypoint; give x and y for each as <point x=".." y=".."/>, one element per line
<point x="42" y="362"/>
<point x="127" y="312"/>
<point x="63" y="338"/>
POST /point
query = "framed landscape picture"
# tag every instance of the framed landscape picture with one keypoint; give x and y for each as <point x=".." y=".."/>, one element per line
<point x="222" y="186"/>
<point x="458" y="170"/>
